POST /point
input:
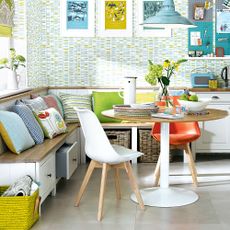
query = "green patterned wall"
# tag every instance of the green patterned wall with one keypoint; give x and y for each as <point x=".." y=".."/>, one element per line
<point x="60" y="61"/>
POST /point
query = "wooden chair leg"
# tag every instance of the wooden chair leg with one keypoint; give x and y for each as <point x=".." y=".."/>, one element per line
<point x="191" y="164"/>
<point x="85" y="182"/>
<point x="133" y="183"/>
<point x="157" y="171"/>
<point x="117" y="183"/>
<point x="102" y="191"/>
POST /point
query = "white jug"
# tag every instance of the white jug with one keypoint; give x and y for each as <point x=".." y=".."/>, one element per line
<point x="129" y="90"/>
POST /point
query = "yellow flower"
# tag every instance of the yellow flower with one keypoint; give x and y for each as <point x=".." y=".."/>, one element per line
<point x="166" y="64"/>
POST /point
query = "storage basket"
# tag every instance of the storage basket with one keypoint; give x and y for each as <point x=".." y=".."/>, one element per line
<point x="18" y="212"/>
<point x="149" y="146"/>
<point x="119" y="137"/>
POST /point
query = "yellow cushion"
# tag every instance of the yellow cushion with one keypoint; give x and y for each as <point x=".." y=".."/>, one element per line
<point x="145" y="97"/>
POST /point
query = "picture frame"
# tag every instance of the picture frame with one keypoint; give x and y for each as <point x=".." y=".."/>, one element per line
<point x="148" y="8"/>
<point x="77" y="18"/>
<point x="115" y="18"/>
<point x="199" y="11"/>
<point x="199" y="53"/>
<point x="192" y="53"/>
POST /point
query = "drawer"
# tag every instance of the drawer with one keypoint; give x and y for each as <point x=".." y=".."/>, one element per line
<point x="67" y="160"/>
<point x="73" y="137"/>
<point x="216" y="97"/>
<point x="47" y="176"/>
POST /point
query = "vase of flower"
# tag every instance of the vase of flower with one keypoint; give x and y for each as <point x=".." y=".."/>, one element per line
<point x="12" y="80"/>
<point x="12" y="64"/>
<point x="161" y="74"/>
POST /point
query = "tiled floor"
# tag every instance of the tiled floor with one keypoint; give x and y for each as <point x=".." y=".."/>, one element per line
<point x="211" y="211"/>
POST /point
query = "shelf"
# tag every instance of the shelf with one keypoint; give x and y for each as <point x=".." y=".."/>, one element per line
<point x="209" y="58"/>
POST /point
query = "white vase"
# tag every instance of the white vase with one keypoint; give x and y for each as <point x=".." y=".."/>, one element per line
<point x="12" y="81"/>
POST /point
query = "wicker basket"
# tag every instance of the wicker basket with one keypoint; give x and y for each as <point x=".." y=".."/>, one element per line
<point x="18" y="212"/>
<point x="119" y="137"/>
<point x="149" y="146"/>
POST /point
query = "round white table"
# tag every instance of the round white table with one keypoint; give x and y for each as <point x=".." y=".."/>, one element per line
<point x="166" y="196"/>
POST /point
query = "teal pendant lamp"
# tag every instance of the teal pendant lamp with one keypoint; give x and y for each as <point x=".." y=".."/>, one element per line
<point x="168" y="17"/>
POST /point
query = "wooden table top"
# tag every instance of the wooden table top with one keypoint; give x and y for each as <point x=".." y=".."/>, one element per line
<point x="213" y="114"/>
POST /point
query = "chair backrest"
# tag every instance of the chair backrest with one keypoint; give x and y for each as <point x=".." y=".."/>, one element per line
<point x="97" y="145"/>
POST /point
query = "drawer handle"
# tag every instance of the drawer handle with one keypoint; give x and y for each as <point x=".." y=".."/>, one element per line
<point x="215" y="97"/>
<point x="74" y="159"/>
<point x="49" y="175"/>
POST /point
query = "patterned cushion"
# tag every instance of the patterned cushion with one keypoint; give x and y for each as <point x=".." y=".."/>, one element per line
<point x="31" y="123"/>
<point x="60" y="106"/>
<point x="51" y="102"/>
<point x="70" y="101"/>
<point x="104" y="101"/>
<point x="51" y="122"/>
<point x="14" y="132"/>
<point x="36" y="104"/>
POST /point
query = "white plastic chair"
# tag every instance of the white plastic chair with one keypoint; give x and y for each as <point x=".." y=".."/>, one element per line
<point x="106" y="156"/>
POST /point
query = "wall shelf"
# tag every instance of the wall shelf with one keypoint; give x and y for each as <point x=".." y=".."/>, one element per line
<point x="209" y="58"/>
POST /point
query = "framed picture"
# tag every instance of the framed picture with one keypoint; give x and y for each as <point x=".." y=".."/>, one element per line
<point x="223" y="22"/>
<point x="219" y="52"/>
<point x="146" y="9"/>
<point x="115" y="18"/>
<point x="198" y="11"/>
<point x="199" y="53"/>
<point x="77" y="18"/>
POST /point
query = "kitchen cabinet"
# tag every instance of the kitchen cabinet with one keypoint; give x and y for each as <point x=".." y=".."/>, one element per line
<point x="215" y="135"/>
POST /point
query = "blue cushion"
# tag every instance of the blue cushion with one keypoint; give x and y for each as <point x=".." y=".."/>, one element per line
<point x="14" y="132"/>
<point x="30" y="121"/>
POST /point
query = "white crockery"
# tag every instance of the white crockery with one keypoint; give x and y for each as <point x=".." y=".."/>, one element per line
<point x="194" y="106"/>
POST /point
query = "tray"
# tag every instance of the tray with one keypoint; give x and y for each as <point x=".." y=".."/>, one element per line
<point x="127" y="110"/>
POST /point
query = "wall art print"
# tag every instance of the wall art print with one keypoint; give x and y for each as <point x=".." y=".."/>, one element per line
<point x="77" y="18"/>
<point x="148" y="8"/>
<point x="115" y="18"/>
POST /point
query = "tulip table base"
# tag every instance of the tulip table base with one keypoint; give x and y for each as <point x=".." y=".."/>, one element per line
<point x="166" y="197"/>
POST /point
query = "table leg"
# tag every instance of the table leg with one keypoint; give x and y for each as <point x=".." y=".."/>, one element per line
<point x="166" y="196"/>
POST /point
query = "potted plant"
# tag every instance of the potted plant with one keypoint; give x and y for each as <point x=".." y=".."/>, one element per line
<point x="12" y="63"/>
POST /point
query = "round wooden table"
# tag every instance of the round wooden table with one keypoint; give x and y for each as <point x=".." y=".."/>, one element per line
<point x="165" y="196"/>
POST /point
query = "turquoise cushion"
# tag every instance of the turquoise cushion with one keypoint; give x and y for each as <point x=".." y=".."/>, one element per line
<point x="30" y="121"/>
<point x="104" y="101"/>
<point x="14" y="132"/>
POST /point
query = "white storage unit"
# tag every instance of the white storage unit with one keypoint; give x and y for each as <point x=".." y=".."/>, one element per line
<point x="215" y="135"/>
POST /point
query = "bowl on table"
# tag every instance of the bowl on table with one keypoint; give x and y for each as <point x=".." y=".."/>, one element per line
<point x="195" y="106"/>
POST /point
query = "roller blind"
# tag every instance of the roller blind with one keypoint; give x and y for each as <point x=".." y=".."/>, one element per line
<point x="6" y="17"/>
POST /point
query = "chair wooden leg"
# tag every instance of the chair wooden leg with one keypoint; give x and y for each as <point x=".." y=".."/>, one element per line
<point x="85" y="182"/>
<point x="134" y="185"/>
<point x="117" y="183"/>
<point x="191" y="164"/>
<point x="157" y="171"/>
<point x="102" y="191"/>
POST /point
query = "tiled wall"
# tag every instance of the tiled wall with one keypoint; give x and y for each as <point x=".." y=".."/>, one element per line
<point x="60" y="61"/>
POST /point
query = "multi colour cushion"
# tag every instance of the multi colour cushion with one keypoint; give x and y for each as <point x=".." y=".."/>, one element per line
<point x="14" y="132"/>
<point x="104" y="101"/>
<point x="59" y="103"/>
<point x="70" y="101"/>
<point x="50" y="100"/>
<point x="36" y="104"/>
<point x="31" y="123"/>
<point x="51" y="122"/>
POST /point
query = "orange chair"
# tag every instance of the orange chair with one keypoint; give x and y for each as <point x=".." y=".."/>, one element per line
<point x="181" y="134"/>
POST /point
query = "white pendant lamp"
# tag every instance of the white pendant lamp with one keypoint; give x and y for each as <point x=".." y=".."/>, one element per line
<point x="168" y="17"/>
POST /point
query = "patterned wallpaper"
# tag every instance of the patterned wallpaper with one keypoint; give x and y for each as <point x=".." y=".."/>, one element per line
<point x="60" y="61"/>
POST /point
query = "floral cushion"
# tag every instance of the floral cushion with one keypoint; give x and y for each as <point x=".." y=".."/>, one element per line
<point x="51" y="122"/>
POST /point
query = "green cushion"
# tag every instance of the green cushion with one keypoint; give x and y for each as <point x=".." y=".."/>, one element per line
<point x="104" y="101"/>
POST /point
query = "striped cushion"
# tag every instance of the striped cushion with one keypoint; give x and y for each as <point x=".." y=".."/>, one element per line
<point x="70" y="101"/>
<point x="36" y="104"/>
<point x="31" y="123"/>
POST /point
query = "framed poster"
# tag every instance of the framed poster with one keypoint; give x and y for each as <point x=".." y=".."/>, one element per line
<point x="77" y="18"/>
<point x="146" y="9"/>
<point x="223" y="21"/>
<point x="115" y="18"/>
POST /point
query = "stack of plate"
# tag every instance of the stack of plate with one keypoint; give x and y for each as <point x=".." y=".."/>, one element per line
<point x="136" y="110"/>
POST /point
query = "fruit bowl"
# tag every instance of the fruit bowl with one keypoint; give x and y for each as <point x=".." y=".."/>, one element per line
<point x="194" y="106"/>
